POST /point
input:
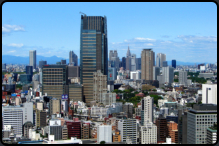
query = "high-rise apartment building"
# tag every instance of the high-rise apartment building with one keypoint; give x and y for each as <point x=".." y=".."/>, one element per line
<point x="55" y="79"/>
<point x="32" y="58"/>
<point x="209" y="93"/>
<point x="160" y="59"/>
<point x="201" y="117"/>
<point x="174" y="63"/>
<point x="128" y="127"/>
<point x="99" y="86"/>
<point x="147" y="63"/>
<point x="183" y="77"/>
<point x="93" y="51"/>
<point x="73" y="58"/>
<point x="147" y="106"/>
<point x="149" y="134"/>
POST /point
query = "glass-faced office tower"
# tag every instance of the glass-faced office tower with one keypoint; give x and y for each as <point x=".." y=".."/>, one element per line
<point x="93" y="51"/>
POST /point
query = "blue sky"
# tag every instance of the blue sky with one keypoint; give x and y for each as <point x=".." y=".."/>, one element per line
<point x="183" y="31"/>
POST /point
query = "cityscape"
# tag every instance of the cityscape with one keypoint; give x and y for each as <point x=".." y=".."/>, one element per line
<point x="99" y="89"/>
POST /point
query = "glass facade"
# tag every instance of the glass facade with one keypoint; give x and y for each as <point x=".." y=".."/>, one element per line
<point x="25" y="79"/>
<point x="93" y="51"/>
<point x="54" y="80"/>
<point x="174" y="63"/>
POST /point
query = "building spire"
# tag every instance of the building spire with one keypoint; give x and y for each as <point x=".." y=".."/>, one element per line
<point x="128" y="52"/>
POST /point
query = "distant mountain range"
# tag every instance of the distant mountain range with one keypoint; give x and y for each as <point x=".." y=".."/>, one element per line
<point x="8" y="59"/>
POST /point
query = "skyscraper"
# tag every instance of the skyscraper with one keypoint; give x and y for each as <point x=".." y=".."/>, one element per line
<point x="174" y="63"/>
<point x="124" y="63"/>
<point x="160" y="59"/>
<point x="73" y="58"/>
<point x="168" y="74"/>
<point x="183" y="77"/>
<point x="156" y="72"/>
<point x="32" y="58"/>
<point x="128" y="60"/>
<point x="165" y="64"/>
<point x="147" y="63"/>
<point x="54" y="80"/>
<point x="29" y="70"/>
<point x="133" y="62"/>
<point x="147" y="107"/>
<point x="93" y="51"/>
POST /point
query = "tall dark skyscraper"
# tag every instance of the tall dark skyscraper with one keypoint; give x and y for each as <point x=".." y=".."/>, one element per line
<point x="124" y="63"/>
<point x="29" y="70"/>
<point x="174" y="63"/>
<point x="93" y="51"/>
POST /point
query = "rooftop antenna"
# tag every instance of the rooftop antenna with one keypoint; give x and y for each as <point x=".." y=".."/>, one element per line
<point x="82" y="13"/>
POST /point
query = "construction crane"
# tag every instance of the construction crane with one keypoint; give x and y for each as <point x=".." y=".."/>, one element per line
<point x="82" y="13"/>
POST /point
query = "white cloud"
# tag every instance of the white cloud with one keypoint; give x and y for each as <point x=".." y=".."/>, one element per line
<point x="12" y="51"/>
<point x="144" y="39"/>
<point x="15" y="45"/>
<point x="6" y="29"/>
<point x="149" y="44"/>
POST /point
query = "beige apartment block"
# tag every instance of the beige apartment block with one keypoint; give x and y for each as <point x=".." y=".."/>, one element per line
<point x="99" y="85"/>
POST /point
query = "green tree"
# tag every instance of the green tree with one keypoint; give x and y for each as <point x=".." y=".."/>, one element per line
<point x="176" y="80"/>
<point x="102" y="142"/>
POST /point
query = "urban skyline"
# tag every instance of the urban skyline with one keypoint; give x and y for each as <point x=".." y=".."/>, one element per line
<point x="190" y="35"/>
<point x="105" y="95"/>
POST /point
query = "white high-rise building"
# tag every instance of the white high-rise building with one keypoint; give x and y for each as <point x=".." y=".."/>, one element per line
<point x="160" y="59"/>
<point x="32" y="58"/>
<point x="133" y="62"/>
<point x="13" y="117"/>
<point x="104" y="133"/>
<point x="209" y="93"/>
<point x="149" y="134"/>
<point x="183" y="77"/>
<point x="147" y="107"/>
<point x="128" y="127"/>
<point x="168" y="74"/>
